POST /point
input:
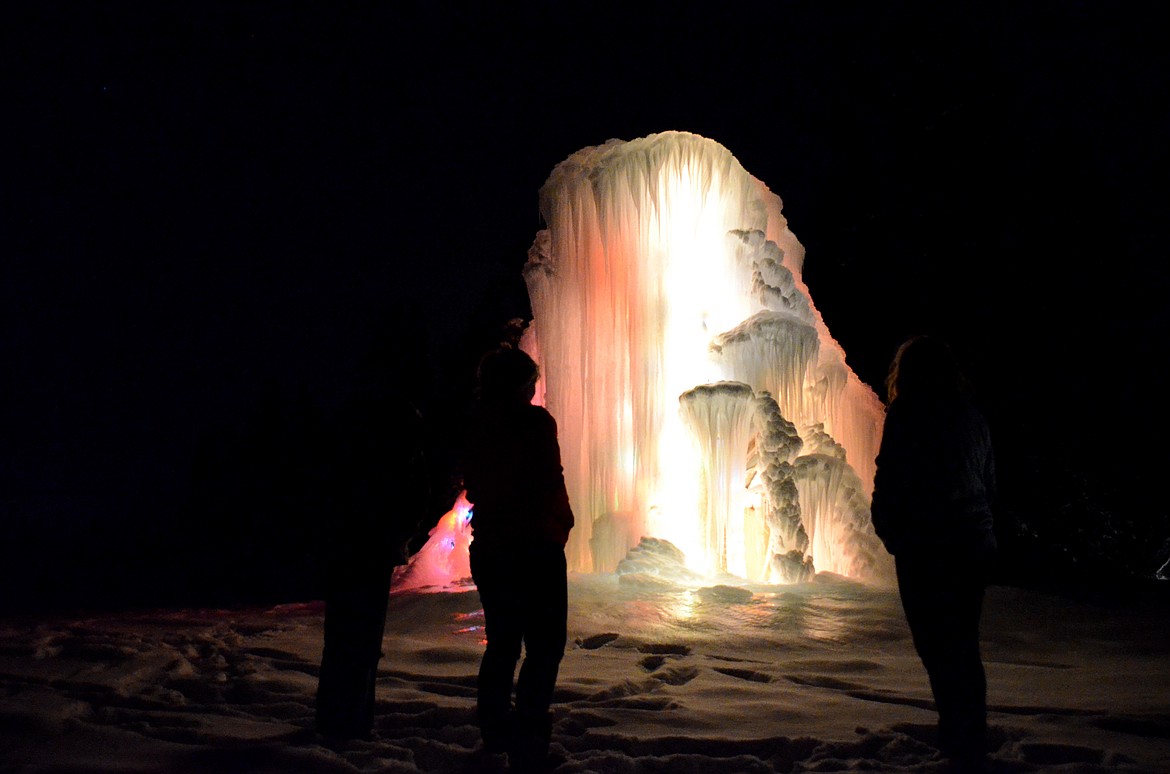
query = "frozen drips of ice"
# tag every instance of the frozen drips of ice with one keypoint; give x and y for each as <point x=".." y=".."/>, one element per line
<point x="666" y="273"/>
<point x="773" y="283"/>
<point x="776" y="352"/>
<point x="719" y="418"/>
<point x="835" y="513"/>
<point x="655" y="563"/>
<point x="699" y="396"/>
<point x="775" y="446"/>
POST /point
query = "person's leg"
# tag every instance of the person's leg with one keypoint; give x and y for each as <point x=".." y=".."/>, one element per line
<point x="943" y="604"/>
<point x="929" y="613"/>
<point x="341" y="685"/>
<point x="970" y="703"/>
<point x="354" y="622"/>
<point x="377" y="597"/>
<point x="503" y="630"/>
<point x="331" y="682"/>
<point x="546" y="620"/>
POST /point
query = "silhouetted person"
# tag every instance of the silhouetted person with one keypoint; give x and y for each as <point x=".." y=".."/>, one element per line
<point x="376" y="495"/>
<point x="932" y="498"/>
<point x="520" y="523"/>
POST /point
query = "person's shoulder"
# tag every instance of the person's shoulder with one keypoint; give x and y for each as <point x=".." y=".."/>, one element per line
<point x="538" y="416"/>
<point x="524" y="414"/>
<point x="931" y="404"/>
<point x="966" y="403"/>
<point x="537" y="412"/>
<point x="975" y="413"/>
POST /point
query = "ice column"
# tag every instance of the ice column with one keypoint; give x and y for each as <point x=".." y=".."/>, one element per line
<point x="665" y="273"/>
<point x="719" y="419"/>
<point x="772" y="477"/>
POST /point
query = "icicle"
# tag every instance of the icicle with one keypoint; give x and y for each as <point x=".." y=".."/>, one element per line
<point x="719" y="418"/>
<point x="774" y="447"/>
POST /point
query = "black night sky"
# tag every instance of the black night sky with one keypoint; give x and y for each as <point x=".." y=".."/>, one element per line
<point x="213" y="214"/>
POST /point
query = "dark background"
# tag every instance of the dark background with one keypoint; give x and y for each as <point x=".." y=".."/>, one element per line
<point x="216" y="216"/>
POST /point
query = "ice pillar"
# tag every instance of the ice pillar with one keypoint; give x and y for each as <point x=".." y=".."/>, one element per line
<point x="666" y="269"/>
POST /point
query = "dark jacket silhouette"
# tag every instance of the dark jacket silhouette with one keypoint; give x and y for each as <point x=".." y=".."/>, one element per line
<point x="520" y="522"/>
<point x="374" y="500"/>
<point x="514" y="477"/>
<point x="932" y="500"/>
<point x="935" y="478"/>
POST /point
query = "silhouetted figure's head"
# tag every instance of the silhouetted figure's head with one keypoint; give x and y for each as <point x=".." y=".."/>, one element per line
<point x="924" y="366"/>
<point x="507" y="376"/>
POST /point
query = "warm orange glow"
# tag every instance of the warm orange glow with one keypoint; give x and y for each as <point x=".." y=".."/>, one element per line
<point x="665" y="267"/>
<point x="698" y="393"/>
<point x="443" y="562"/>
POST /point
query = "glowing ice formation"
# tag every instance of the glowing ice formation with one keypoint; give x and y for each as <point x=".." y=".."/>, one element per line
<point x="443" y="561"/>
<point x="699" y="396"/>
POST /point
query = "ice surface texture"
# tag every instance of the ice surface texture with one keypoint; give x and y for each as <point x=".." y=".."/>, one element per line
<point x="688" y="369"/>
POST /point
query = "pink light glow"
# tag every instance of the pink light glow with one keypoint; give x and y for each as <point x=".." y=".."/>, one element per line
<point x="443" y="563"/>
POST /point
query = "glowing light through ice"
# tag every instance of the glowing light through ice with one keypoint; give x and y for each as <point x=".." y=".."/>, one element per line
<point x="443" y="561"/>
<point x="674" y="333"/>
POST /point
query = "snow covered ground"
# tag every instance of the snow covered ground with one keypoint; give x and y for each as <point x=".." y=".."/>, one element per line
<point x="816" y="677"/>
